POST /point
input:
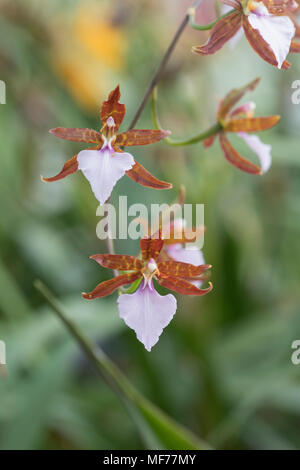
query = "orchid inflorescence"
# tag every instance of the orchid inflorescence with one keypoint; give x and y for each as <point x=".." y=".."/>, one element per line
<point x="270" y="26"/>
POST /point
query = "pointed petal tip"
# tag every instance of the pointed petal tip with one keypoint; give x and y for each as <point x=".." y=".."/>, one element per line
<point x="86" y="296"/>
<point x="95" y="256"/>
<point x="195" y="50"/>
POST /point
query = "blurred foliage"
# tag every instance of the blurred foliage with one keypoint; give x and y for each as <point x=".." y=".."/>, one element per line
<point x="223" y="366"/>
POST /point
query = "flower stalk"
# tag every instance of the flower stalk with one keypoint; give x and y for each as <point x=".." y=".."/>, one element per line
<point x="181" y="143"/>
<point x="161" y="67"/>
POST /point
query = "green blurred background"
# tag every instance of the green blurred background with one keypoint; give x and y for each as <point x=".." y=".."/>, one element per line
<point x="223" y="366"/>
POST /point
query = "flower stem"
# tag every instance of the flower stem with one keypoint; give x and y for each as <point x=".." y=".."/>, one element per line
<point x="162" y="65"/>
<point x="181" y="143"/>
<point x="199" y="27"/>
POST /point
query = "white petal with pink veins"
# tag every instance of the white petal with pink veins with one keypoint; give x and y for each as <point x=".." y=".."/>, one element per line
<point x="263" y="151"/>
<point x="277" y="31"/>
<point x="147" y="313"/>
<point x="103" y="168"/>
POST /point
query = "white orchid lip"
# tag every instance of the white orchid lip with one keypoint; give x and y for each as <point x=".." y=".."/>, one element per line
<point x="277" y="31"/>
<point x="147" y="313"/>
<point x="263" y="151"/>
<point x="103" y="168"/>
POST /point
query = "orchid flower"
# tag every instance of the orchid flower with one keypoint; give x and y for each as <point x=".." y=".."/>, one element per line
<point x="241" y="121"/>
<point x="104" y="164"/>
<point x="266" y="24"/>
<point x="146" y="311"/>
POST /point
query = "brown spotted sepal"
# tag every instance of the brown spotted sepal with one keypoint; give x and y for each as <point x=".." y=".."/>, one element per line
<point x="175" y="275"/>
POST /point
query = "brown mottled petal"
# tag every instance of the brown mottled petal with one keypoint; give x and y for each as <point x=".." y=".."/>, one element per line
<point x="112" y="108"/>
<point x="209" y="141"/>
<point x="232" y="3"/>
<point x="108" y="287"/>
<point x="279" y="7"/>
<point x="236" y="159"/>
<point x="234" y="97"/>
<point x="77" y="134"/>
<point x="140" y="175"/>
<point x="295" y="47"/>
<point x="182" y="286"/>
<point x="224" y="30"/>
<point x="188" y="235"/>
<point x="151" y="248"/>
<point x="141" y="137"/>
<point x="296" y="24"/>
<point x="183" y="270"/>
<point x="252" y="124"/>
<point x="71" y="166"/>
<point x="120" y="262"/>
<point x="261" y="46"/>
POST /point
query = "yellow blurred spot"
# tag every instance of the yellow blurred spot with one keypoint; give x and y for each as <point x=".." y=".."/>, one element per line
<point x="89" y="53"/>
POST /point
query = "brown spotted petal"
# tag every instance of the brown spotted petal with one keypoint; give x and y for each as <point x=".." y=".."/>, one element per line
<point x="252" y="124"/>
<point x="112" y="108"/>
<point x="224" y="30"/>
<point x="75" y="134"/>
<point x="296" y="24"/>
<point x="71" y="166"/>
<point x="120" y="262"/>
<point x="295" y="47"/>
<point x="234" y="97"/>
<point x="261" y="46"/>
<point x="236" y="159"/>
<point x="140" y="175"/>
<point x="209" y="141"/>
<point x="141" y="137"/>
<point x="279" y="7"/>
<point x="233" y="4"/>
<point x="182" y="286"/>
<point x="151" y="247"/>
<point x="108" y="287"/>
<point x="183" y="270"/>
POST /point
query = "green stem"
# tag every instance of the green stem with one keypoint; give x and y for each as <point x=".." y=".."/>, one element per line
<point x="181" y="143"/>
<point x="199" y="27"/>
<point x="161" y="67"/>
